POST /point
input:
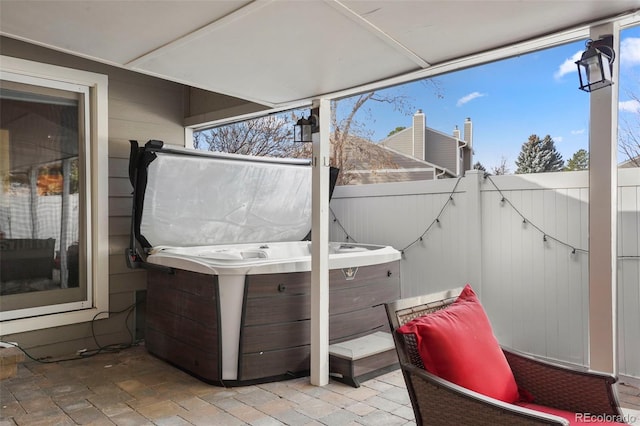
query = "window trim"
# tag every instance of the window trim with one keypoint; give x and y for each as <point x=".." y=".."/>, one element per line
<point x="97" y="218"/>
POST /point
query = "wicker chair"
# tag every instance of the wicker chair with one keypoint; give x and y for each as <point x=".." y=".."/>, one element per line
<point x="437" y="401"/>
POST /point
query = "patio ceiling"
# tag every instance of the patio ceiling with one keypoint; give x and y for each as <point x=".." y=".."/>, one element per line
<point x="277" y="52"/>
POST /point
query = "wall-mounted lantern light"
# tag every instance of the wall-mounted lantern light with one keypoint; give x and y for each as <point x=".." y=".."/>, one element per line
<point x="304" y="128"/>
<point x="595" y="65"/>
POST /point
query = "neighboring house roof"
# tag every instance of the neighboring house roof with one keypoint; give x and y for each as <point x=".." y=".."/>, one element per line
<point x="451" y="152"/>
<point x="414" y="153"/>
<point x="397" y="166"/>
<point x="448" y="151"/>
<point x="632" y="162"/>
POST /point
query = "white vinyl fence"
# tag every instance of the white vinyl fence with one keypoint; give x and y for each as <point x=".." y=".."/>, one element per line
<point x="23" y="216"/>
<point x="521" y="241"/>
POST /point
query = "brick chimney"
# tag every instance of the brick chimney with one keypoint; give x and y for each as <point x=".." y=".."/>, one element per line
<point x="419" y="130"/>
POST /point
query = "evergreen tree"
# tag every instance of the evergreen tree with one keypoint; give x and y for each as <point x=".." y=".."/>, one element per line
<point x="501" y="169"/>
<point x="478" y="166"/>
<point x="396" y="130"/>
<point x="579" y="161"/>
<point x="538" y="156"/>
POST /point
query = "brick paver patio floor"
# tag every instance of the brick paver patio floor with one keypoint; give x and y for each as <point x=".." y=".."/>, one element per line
<point x="132" y="388"/>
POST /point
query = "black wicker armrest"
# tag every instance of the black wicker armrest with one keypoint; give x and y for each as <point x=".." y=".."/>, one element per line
<point x="564" y="387"/>
<point x="436" y="401"/>
<point x="439" y="402"/>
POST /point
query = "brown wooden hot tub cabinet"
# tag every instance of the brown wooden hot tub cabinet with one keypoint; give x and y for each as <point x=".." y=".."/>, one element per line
<point x="183" y="319"/>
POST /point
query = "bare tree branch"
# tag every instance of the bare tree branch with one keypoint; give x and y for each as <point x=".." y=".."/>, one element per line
<point x="266" y="136"/>
<point x="629" y="139"/>
<point x="350" y="127"/>
<point x="347" y="151"/>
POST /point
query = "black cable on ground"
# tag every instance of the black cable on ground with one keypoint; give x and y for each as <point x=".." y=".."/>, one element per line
<point x="112" y="348"/>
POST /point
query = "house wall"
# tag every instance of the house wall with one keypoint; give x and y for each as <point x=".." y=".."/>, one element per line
<point x="140" y="108"/>
<point x="467" y="160"/>
<point x="202" y="106"/>
<point x="438" y="148"/>
<point x="441" y="150"/>
<point x="401" y="142"/>
<point x="535" y="291"/>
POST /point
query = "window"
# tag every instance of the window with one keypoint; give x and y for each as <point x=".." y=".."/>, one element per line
<point x="53" y="169"/>
<point x="268" y="136"/>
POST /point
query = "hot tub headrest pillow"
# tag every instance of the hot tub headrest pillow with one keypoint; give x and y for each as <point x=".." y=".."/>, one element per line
<point x="457" y="344"/>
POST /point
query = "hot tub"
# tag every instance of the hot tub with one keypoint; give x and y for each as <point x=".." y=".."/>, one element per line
<point x="266" y="258"/>
<point x="237" y="311"/>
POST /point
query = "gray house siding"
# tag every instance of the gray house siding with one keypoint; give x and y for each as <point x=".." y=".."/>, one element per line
<point x="467" y="160"/>
<point x="448" y="153"/>
<point x="401" y="142"/>
<point x="141" y="108"/>
<point x="442" y="150"/>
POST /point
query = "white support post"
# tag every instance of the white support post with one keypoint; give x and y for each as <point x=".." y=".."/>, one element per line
<point x="320" y="250"/>
<point x="603" y="186"/>
<point x="471" y="184"/>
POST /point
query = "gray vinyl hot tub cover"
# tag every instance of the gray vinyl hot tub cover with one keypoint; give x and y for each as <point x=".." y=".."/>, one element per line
<point x="209" y="199"/>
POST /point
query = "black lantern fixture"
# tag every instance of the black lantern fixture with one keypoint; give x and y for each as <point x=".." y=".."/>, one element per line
<point x="304" y="128"/>
<point x="595" y="65"/>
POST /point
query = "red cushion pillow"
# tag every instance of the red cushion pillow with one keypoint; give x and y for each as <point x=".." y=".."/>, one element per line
<point x="458" y="345"/>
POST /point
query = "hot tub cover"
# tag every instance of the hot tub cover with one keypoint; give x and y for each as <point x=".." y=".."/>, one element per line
<point x="191" y="198"/>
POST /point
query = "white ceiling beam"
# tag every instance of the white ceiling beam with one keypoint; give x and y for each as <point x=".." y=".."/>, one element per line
<point x="466" y="62"/>
<point x="237" y="14"/>
<point x="567" y="36"/>
<point x="561" y="37"/>
<point x="373" y="29"/>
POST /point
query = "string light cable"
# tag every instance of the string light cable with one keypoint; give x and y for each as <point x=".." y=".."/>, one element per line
<point x="337" y="221"/>
<point x="436" y="221"/>
<point x="545" y="236"/>
<point x="504" y="200"/>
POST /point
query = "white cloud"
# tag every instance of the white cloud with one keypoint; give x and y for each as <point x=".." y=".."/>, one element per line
<point x="568" y="66"/>
<point x="630" y="51"/>
<point x="629" y="106"/>
<point x="471" y="96"/>
<point x="578" y="132"/>
<point x="558" y="139"/>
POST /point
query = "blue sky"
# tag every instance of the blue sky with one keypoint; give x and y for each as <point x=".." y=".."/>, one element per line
<point x="511" y="99"/>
